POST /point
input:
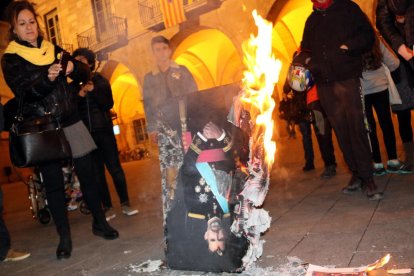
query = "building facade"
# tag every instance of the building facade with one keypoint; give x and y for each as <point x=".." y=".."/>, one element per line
<point x="209" y="42"/>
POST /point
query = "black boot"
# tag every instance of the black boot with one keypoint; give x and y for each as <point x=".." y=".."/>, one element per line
<point x="85" y="170"/>
<point x="64" y="248"/>
<point x="104" y="230"/>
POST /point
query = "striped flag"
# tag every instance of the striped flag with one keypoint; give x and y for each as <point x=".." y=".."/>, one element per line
<point x="172" y="12"/>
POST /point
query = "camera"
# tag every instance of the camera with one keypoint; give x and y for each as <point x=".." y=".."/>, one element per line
<point x="64" y="58"/>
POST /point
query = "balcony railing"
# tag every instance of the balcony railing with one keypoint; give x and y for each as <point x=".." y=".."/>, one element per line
<point x="113" y="34"/>
<point x="151" y="15"/>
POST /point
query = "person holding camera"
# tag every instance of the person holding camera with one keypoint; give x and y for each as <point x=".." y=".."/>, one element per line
<point x="95" y="102"/>
<point x="38" y="79"/>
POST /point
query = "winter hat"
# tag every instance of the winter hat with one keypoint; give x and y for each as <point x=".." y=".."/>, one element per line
<point x="321" y="6"/>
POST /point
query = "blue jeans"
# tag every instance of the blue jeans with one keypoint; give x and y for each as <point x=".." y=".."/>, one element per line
<point x="4" y="233"/>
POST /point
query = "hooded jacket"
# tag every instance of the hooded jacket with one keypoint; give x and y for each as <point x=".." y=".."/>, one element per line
<point x="41" y="95"/>
<point x="343" y="23"/>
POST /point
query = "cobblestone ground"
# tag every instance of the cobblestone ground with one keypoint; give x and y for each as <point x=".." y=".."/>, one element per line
<point x="312" y="222"/>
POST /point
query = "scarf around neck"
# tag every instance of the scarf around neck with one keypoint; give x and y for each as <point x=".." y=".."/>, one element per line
<point x="321" y="6"/>
<point x="44" y="55"/>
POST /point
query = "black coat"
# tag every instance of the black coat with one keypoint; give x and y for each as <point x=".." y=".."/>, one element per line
<point x="94" y="108"/>
<point x="387" y="26"/>
<point x="343" y="23"/>
<point x="394" y="33"/>
<point x="39" y="94"/>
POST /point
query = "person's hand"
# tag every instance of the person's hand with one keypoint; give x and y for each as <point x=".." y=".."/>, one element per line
<point x="85" y="89"/>
<point x="153" y="137"/>
<point x="53" y="71"/>
<point x="211" y="131"/>
<point x="343" y="47"/>
<point x="405" y="52"/>
<point x="69" y="68"/>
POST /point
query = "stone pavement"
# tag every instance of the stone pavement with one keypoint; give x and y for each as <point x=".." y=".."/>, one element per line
<point x="311" y="220"/>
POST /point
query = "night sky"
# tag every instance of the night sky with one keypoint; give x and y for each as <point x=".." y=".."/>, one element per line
<point x="3" y="5"/>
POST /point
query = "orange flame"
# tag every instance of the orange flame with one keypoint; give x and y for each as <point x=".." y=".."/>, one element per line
<point x="379" y="263"/>
<point x="261" y="75"/>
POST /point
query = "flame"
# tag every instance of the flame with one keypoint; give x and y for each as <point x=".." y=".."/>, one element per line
<point x="379" y="263"/>
<point x="259" y="78"/>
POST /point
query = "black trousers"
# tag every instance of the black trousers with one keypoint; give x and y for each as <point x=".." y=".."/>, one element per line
<point x="342" y="102"/>
<point x="54" y="185"/>
<point x="4" y="233"/>
<point x="381" y="104"/>
<point x="305" y="130"/>
<point x="107" y="155"/>
<point x="404" y="123"/>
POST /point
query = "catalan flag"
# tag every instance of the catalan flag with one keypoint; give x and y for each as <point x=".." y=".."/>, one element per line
<point x="172" y="12"/>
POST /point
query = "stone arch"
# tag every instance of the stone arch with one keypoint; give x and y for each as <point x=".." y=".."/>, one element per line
<point x="210" y="55"/>
<point x="128" y="100"/>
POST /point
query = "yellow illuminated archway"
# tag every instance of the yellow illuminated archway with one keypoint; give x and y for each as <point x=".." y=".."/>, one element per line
<point x="128" y="101"/>
<point x="211" y="58"/>
<point x="127" y="94"/>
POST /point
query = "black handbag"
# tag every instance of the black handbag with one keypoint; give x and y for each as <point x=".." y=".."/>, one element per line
<point x="37" y="141"/>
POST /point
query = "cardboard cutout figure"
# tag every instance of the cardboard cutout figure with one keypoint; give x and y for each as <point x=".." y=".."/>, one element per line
<point x="198" y="224"/>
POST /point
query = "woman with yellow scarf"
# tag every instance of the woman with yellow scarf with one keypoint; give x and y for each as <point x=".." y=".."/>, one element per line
<point x="32" y="70"/>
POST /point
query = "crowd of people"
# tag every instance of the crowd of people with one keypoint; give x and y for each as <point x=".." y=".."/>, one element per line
<point x="354" y="69"/>
<point x="355" y="72"/>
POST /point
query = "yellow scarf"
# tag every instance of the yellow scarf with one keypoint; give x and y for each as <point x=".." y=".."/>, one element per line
<point x="44" y="55"/>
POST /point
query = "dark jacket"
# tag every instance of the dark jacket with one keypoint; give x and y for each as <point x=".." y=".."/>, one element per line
<point x="39" y="94"/>
<point x="325" y="31"/>
<point x="395" y="33"/>
<point x="162" y="92"/>
<point x="94" y="108"/>
<point x="387" y="26"/>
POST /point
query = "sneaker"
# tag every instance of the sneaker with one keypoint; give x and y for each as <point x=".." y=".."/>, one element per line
<point x="128" y="210"/>
<point x="397" y="167"/>
<point x="72" y="206"/>
<point x="354" y="185"/>
<point x="329" y="171"/>
<point x="379" y="169"/>
<point x="13" y="255"/>
<point x="109" y="213"/>
<point x="308" y="167"/>
<point x="375" y="196"/>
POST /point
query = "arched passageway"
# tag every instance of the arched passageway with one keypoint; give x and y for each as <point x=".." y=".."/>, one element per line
<point x="128" y="102"/>
<point x="211" y="57"/>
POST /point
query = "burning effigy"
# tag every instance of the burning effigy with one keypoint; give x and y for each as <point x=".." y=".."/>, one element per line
<point x="216" y="163"/>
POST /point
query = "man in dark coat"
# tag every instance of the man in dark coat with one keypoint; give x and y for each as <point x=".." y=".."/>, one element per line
<point x="335" y="36"/>
<point x="95" y="102"/>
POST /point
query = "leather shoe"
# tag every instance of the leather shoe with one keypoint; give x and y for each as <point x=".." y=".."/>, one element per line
<point x="105" y="231"/>
<point x="64" y="248"/>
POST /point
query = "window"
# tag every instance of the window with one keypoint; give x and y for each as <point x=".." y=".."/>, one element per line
<point x="140" y="128"/>
<point x="102" y="13"/>
<point x="52" y="27"/>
